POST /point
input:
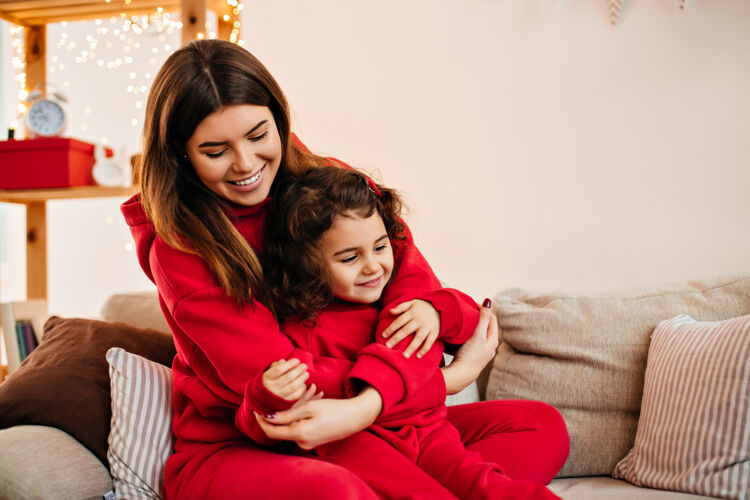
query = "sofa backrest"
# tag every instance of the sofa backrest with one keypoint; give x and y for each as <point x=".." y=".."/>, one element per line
<point x="139" y="309"/>
<point x="586" y="355"/>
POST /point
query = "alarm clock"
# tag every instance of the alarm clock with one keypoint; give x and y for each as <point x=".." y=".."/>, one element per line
<point x="46" y="116"/>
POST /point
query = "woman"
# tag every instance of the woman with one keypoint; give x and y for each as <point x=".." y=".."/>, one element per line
<point x="217" y="136"/>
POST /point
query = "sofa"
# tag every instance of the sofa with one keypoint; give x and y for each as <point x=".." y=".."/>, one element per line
<point x="587" y="354"/>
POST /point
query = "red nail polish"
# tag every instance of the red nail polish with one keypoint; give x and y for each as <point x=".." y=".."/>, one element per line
<point x="487" y="303"/>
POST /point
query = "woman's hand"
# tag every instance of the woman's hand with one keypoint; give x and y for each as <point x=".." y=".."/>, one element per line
<point x="474" y="355"/>
<point x="482" y="345"/>
<point x="286" y="379"/>
<point x="313" y="421"/>
<point x="416" y="317"/>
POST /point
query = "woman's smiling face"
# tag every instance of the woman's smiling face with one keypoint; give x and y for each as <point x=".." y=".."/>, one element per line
<point x="236" y="152"/>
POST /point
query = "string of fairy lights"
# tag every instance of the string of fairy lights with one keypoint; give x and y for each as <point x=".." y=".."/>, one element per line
<point x="123" y="31"/>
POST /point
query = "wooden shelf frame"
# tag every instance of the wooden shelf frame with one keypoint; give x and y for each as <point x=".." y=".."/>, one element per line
<point x="36" y="225"/>
<point x="37" y="195"/>
<point x="40" y="12"/>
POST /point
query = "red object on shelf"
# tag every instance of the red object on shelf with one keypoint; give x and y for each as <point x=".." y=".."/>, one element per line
<point x="49" y="162"/>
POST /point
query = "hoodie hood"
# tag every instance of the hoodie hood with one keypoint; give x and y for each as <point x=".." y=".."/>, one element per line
<point x="141" y="228"/>
<point x="248" y="220"/>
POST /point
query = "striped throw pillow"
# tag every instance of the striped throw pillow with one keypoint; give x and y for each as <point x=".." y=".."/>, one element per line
<point x="694" y="429"/>
<point x="140" y="437"/>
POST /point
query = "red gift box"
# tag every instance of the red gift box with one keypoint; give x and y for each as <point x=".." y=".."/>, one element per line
<point x="49" y="162"/>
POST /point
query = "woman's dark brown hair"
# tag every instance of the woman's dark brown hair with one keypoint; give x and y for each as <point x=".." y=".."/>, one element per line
<point x="197" y="80"/>
<point x="302" y="209"/>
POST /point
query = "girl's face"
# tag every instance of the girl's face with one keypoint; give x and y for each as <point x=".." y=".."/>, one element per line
<point x="236" y="152"/>
<point x="358" y="258"/>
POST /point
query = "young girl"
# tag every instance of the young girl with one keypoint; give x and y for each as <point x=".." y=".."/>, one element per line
<point x="328" y="259"/>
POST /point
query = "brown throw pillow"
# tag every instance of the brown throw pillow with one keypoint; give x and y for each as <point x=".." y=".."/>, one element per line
<point x="64" y="382"/>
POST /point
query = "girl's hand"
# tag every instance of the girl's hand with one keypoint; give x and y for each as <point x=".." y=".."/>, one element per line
<point x="309" y="395"/>
<point x="474" y="355"/>
<point x="416" y="317"/>
<point x="286" y="379"/>
<point x="318" y="421"/>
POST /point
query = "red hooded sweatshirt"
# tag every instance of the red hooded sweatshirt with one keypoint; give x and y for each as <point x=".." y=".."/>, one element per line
<point x="344" y="329"/>
<point x="222" y="349"/>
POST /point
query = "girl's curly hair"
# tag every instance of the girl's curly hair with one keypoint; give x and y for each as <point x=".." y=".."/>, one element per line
<point x="302" y="209"/>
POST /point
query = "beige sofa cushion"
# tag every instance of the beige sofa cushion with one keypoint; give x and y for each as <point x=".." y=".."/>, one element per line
<point x="586" y="355"/>
<point x="43" y="462"/>
<point x="606" y="488"/>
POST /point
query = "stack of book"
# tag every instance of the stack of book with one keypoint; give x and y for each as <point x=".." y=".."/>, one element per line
<point x="27" y="340"/>
<point x="22" y="326"/>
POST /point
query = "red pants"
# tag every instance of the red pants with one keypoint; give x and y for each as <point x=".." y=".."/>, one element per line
<point x="525" y="440"/>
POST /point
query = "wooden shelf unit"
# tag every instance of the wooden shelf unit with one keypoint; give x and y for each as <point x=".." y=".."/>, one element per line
<point x="34" y="15"/>
<point x="36" y="225"/>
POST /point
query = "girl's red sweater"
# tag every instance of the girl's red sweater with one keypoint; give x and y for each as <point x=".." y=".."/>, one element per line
<point x="222" y="350"/>
<point x="344" y="329"/>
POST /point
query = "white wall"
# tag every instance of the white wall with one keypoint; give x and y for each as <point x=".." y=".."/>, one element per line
<point x="537" y="146"/>
<point x="12" y="256"/>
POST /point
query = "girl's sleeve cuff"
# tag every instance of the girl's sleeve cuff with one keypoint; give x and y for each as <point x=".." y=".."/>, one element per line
<point x="373" y="370"/>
